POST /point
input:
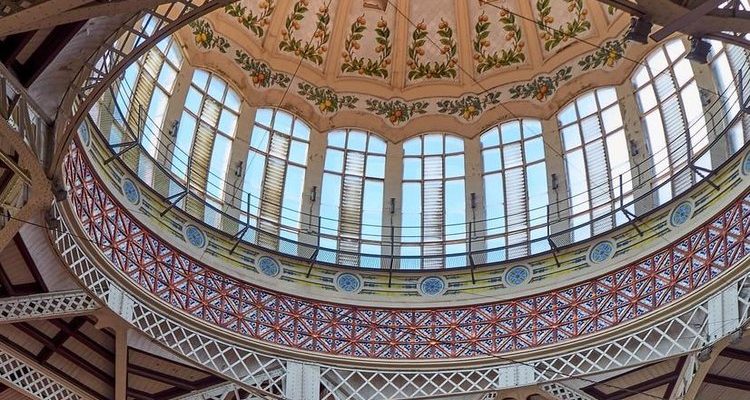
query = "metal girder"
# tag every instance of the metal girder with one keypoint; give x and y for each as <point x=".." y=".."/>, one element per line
<point x="46" y="305"/>
<point x="39" y="17"/>
<point x="121" y="49"/>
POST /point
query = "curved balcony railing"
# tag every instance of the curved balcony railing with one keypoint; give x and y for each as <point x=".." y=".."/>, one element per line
<point x="309" y="229"/>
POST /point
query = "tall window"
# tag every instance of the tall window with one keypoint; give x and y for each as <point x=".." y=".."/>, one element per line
<point x="515" y="189"/>
<point x="728" y="62"/>
<point x="673" y="117"/>
<point x="275" y="176"/>
<point x="596" y="161"/>
<point x="351" y="201"/>
<point x="143" y="94"/>
<point x="204" y="138"/>
<point x="433" y="204"/>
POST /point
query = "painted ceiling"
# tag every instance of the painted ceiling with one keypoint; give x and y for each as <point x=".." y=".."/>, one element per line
<point x="388" y="63"/>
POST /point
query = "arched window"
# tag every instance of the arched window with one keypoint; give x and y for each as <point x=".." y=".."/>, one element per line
<point x="204" y="137"/>
<point x="673" y="117"/>
<point x="275" y="176"/>
<point x="515" y="188"/>
<point x="728" y="63"/>
<point x="433" y="205"/>
<point x="351" y="200"/>
<point x="143" y="94"/>
<point x="597" y="165"/>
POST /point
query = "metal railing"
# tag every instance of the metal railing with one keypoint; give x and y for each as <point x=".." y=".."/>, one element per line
<point x="301" y="237"/>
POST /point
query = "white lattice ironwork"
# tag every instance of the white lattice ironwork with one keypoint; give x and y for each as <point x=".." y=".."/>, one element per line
<point x="46" y="305"/>
<point x="225" y="391"/>
<point x="260" y="374"/>
<point x="562" y="392"/>
<point x="121" y="49"/>
<point x="686" y="332"/>
<point x="24" y="376"/>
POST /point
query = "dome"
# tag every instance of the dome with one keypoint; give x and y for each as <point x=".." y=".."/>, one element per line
<point x="374" y="199"/>
<point x="385" y="66"/>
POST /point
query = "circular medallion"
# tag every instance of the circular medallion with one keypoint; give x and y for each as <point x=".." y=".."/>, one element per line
<point x="131" y="192"/>
<point x="83" y="133"/>
<point x="681" y="213"/>
<point x="746" y="164"/>
<point x="348" y="282"/>
<point x="517" y="275"/>
<point x="269" y="266"/>
<point x="195" y="236"/>
<point x="601" y="251"/>
<point x="432" y="286"/>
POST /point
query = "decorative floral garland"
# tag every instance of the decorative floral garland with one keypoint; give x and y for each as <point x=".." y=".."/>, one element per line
<point x="608" y="55"/>
<point x="541" y="87"/>
<point x="435" y="69"/>
<point x="554" y="36"/>
<point x="396" y="111"/>
<point x="326" y="99"/>
<point x="206" y="38"/>
<point x="261" y="73"/>
<point x="366" y="66"/>
<point x="255" y="23"/>
<point x="470" y="106"/>
<point x="314" y="49"/>
<point x="504" y="57"/>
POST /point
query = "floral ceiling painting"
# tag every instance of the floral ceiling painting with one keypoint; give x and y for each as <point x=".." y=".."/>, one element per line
<point x="414" y="58"/>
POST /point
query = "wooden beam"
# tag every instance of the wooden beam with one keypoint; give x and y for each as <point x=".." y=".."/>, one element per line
<point x="735" y="354"/>
<point x="687" y="19"/>
<point x="64" y="352"/>
<point x="60" y="339"/>
<point x="30" y="264"/>
<point x="727" y="382"/>
<point x="13" y="44"/>
<point x="103" y="352"/>
<point x="160" y="377"/>
<point x="121" y="363"/>
<point x="57" y="39"/>
<point x="83" y="13"/>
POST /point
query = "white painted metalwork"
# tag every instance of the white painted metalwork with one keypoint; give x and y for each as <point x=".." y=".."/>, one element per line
<point x="121" y="49"/>
<point x="562" y="392"/>
<point x="31" y="380"/>
<point x="46" y="305"/>
<point x="686" y="332"/>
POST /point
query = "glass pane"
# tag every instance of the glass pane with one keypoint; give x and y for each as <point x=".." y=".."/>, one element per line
<point x="433" y="144"/>
<point x="412" y="169"/>
<point x="375" y="166"/>
<point x="454" y="166"/>
<point x="337" y="139"/>
<point x="228" y="122"/>
<point x="334" y="160"/>
<point x="491" y="160"/>
<point x="490" y="138"/>
<point x="200" y="78"/>
<point x="413" y="147"/>
<point x="357" y="141"/>
<point x="263" y="116"/>
<point x="193" y="100"/>
<point x="216" y="88"/>
<point x="511" y="132"/>
<point x="298" y="152"/>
